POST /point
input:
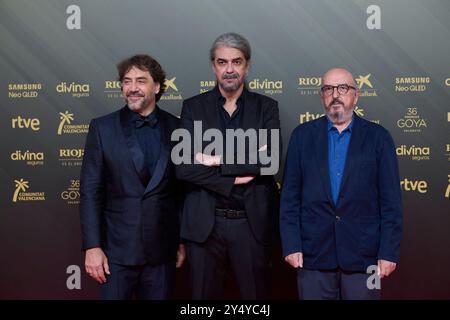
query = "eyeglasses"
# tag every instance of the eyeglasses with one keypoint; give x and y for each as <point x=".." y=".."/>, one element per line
<point x="342" y="89"/>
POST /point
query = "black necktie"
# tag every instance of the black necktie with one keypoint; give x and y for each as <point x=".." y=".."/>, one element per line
<point x="146" y="121"/>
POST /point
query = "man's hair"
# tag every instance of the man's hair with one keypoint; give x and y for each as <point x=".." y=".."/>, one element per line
<point x="231" y="40"/>
<point x="144" y="62"/>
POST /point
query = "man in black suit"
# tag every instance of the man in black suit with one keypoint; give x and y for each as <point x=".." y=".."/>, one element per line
<point x="231" y="204"/>
<point x="128" y="209"/>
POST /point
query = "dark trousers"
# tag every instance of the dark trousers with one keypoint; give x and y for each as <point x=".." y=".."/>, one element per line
<point x="231" y="244"/>
<point x="334" y="285"/>
<point x="146" y="282"/>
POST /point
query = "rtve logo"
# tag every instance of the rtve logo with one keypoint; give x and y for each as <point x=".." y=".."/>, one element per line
<point x="414" y="185"/>
<point x="27" y="123"/>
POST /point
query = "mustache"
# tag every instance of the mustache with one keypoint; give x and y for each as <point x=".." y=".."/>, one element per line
<point x="230" y="76"/>
<point x="335" y="101"/>
<point x="135" y="94"/>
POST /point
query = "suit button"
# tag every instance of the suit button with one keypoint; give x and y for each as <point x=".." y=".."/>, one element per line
<point x="338" y="218"/>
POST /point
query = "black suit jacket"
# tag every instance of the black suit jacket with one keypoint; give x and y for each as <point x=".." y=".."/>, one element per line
<point x="261" y="195"/>
<point x="133" y="218"/>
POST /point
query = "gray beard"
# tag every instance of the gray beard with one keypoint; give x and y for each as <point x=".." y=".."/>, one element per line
<point x="138" y="105"/>
<point x="232" y="87"/>
<point x="338" y="116"/>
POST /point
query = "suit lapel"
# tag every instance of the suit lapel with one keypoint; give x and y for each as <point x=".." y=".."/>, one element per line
<point x="164" y="153"/>
<point x="321" y="146"/>
<point x="133" y="146"/>
<point x="359" y="131"/>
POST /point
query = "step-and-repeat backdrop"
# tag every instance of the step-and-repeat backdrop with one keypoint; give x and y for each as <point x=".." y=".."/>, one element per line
<point x="57" y="62"/>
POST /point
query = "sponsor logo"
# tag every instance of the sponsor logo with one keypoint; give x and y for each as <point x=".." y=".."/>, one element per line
<point x="171" y="92"/>
<point x="65" y="126"/>
<point x="309" y="85"/>
<point x="20" y="193"/>
<point x="413" y="152"/>
<point x="411" y="84"/>
<point x="77" y="90"/>
<point x="72" y="194"/>
<point x="112" y="89"/>
<point x="412" y="122"/>
<point x="71" y="157"/>
<point x="30" y="158"/>
<point x="365" y="86"/>
<point x="266" y="86"/>
<point x="419" y="186"/>
<point x="24" y="90"/>
<point x="207" y="85"/>
<point x="25" y="123"/>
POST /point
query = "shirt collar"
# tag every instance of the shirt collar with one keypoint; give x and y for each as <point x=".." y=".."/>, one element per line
<point x="349" y="127"/>
<point x="135" y="116"/>
<point x="222" y="99"/>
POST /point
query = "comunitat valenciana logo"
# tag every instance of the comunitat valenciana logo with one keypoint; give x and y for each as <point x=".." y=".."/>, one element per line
<point x="66" y="126"/>
<point x="171" y="92"/>
<point x="20" y="194"/>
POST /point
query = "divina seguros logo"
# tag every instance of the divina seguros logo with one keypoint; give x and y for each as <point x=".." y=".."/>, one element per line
<point x="77" y="90"/>
<point x="31" y="158"/>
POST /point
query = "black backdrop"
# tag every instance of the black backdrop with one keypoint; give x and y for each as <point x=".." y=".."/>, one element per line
<point x="57" y="62"/>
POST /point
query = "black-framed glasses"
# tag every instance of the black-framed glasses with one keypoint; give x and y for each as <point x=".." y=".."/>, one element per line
<point x="342" y="89"/>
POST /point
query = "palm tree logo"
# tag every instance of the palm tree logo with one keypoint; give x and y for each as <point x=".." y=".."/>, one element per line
<point x="21" y="185"/>
<point x="66" y="117"/>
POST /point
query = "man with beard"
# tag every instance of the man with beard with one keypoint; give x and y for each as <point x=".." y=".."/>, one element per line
<point x="230" y="211"/>
<point x="341" y="213"/>
<point x="129" y="207"/>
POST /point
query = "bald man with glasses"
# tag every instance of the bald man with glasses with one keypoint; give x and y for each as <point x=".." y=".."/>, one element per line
<point x="341" y="212"/>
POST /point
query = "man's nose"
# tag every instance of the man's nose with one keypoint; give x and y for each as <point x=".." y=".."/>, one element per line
<point x="335" y="93"/>
<point x="133" y="86"/>
<point x="230" y="68"/>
